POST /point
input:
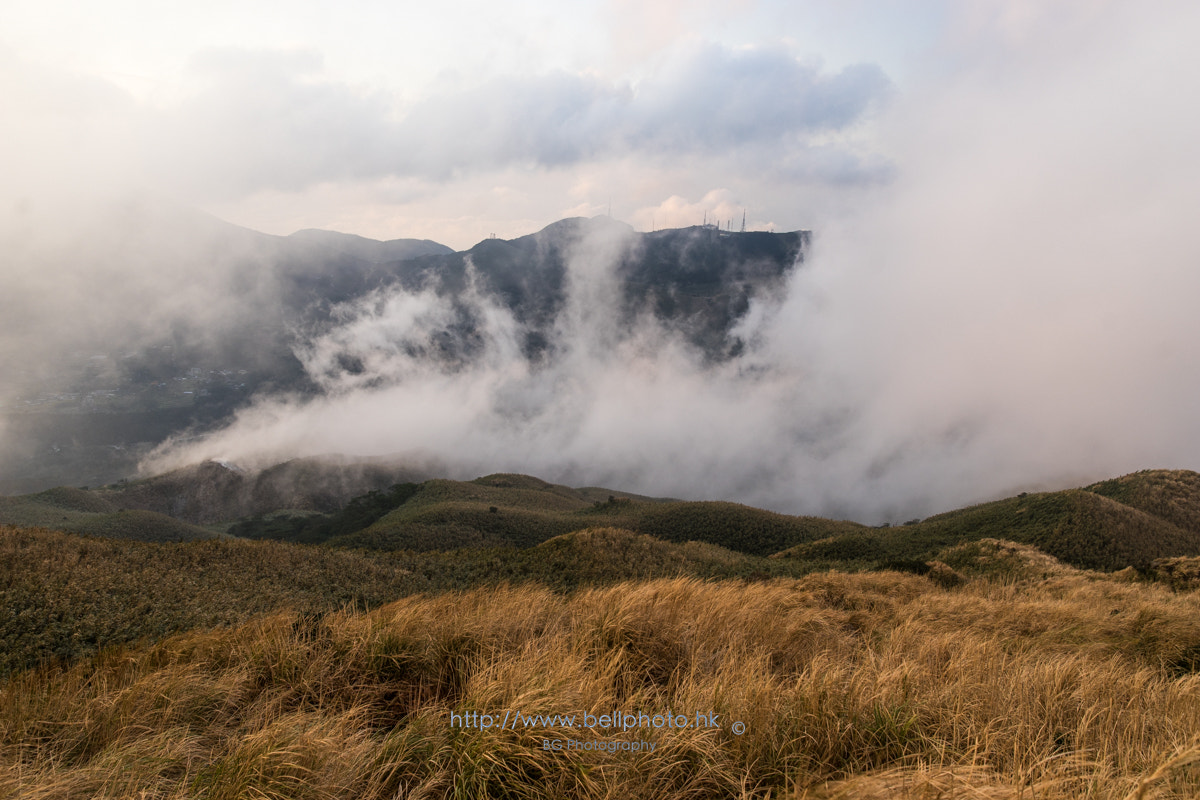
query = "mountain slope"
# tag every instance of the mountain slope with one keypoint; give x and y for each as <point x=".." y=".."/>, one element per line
<point x="369" y="249"/>
<point x="65" y="595"/>
<point x="1172" y="495"/>
<point x="67" y="510"/>
<point x="236" y="313"/>
<point x="1078" y="526"/>
<point x="372" y="505"/>
<point x="522" y="511"/>
<point x="211" y="492"/>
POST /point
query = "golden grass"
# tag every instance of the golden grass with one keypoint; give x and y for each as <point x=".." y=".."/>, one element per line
<point x="850" y="686"/>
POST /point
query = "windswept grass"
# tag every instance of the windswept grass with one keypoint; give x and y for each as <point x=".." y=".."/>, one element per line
<point x="853" y="686"/>
<point x="63" y="596"/>
<point x="231" y="668"/>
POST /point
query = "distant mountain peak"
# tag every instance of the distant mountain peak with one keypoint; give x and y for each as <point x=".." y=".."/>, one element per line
<point x="370" y="249"/>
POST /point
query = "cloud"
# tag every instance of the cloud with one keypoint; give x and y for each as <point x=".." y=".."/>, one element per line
<point x="270" y="121"/>
<point x="1009" y="306"/>
<point x="277" y="140"/>
<point x="267" y="120"/>
<point x="704" y="100"/>
<point x="629" y="404"/>
<point x="64" y="135"/>
<point x="1014" y="311"/>
<point x="712" y="97"/>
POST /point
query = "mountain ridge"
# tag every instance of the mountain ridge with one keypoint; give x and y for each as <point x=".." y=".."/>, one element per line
<point x="392" y="507"/>
<point x="129" y="381"/>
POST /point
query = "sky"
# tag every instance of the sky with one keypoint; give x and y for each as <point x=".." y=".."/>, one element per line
<point x="397" y="120"/>
<point x="1000" y="294"/>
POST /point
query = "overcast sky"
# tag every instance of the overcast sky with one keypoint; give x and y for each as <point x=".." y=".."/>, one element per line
<point x="1003" y="286"/>
<point x="398" y="120"/>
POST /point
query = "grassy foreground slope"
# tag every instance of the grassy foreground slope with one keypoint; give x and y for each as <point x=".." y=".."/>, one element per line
<point x="64" y="596"/>
<point x="848" y="686"/>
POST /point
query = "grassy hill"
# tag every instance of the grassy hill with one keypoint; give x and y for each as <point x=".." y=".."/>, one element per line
<point x="231" y="668"/>
<point x="1172" y="495"/>
<point x="738" y="527"/>
<point x="1082" y="527"/>
<point x="210" y="492"/>
<point x="64" y="595"/>
<point x="522" y="511"/>
<point x="1078" y="526"/>
<point x="496" y="510"/>
<point x="78" y="511"/>
<point x="1129" y="521"/>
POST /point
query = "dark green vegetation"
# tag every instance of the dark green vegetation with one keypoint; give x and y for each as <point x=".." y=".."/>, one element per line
<point x="358" y="514"/>
<point x="1128" y="521"/>
<point x="211" y="493"/>
<point x="1167" y="494"/>
<point x="77" y="511"/>
<point x="522" y="511"/>
<point x="749" y="530"/>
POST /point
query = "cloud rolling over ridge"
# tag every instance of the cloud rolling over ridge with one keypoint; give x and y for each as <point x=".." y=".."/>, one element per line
<point x="1000" y="293"/>
<point x="1014" y="311"/>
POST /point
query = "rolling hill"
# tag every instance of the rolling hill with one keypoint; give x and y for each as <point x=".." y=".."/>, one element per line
<point x="64" y="595"/>
<point x="79" y="512"/>
<point x="1084" y="527"/>
<point x="1130" y="521"/>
